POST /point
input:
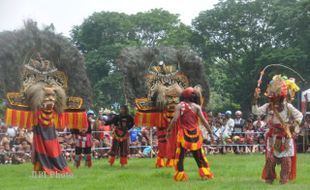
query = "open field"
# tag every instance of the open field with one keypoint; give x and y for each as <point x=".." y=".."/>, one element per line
<point x="231" y="172"/>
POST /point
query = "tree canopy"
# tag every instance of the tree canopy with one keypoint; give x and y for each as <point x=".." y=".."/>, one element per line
<point x="235" y="40"/>
<point x="103" y="35"/>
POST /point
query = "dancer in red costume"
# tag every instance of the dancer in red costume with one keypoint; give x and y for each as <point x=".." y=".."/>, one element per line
<point x="83" y="142"/>
<point x="189" y="137"/>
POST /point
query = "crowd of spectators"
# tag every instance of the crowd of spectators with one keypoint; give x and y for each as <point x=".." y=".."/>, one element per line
<point x="15" y="144"/>
<point x="232" y="134"/>
<point x="235" y="134"/>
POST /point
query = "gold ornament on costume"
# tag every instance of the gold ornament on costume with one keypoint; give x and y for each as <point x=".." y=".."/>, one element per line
<point x="41" y="70"/>
<point x="42" y="80"/>
<point x="165" y="84"/>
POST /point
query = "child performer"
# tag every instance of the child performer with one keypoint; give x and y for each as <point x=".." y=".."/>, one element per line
<point x="83" y="140"/>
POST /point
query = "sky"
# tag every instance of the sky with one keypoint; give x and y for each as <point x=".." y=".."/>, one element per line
<point x="65" y="14"/>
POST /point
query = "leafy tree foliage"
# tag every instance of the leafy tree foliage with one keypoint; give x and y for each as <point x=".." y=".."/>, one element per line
<point x="103" y="35"/>
<point x="235" y="39"/>
<point x="240" y="37"/>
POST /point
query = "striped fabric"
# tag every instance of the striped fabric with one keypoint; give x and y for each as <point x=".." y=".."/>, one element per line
<point x="27" y="119"/>
<point x="190" y="140"/>
<point x="48" y="156"/>
<point x="148" y="119"/>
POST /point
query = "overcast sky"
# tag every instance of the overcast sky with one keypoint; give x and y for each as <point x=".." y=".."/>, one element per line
<point x="66" y="13"/>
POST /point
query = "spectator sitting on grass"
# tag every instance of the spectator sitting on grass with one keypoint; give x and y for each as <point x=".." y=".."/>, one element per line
<point x="148" y="152"/>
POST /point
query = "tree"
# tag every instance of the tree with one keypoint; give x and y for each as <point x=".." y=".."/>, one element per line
<point x="240" y="37"/>
<point x="103" y="35"/>
<point x="292" y="31"/>
<point x="180" y="36"/>
<point x="153" y="26"/>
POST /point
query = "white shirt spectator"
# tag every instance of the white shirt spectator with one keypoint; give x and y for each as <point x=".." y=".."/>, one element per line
<point x="229" y="126"/>
<point x="11" y="132"/>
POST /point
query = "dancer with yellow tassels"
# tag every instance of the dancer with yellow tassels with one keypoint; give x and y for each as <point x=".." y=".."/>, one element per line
<point x="189" y="136"/>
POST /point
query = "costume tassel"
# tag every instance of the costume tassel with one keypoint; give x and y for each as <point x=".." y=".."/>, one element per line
<point x="180" y="176"/>
<point x="170" y="163"/>
<point x="205" y="173"/>
<point x="159" y="162"/>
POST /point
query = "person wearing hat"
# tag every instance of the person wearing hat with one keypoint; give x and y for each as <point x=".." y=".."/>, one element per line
<point x="283" y="121"/>
<point x="239" y="123"/>
<point x="238" y="130"/>
<point x="230" y="123"/>
<point x="122" y="123"/>
<point x="189" y="136"/>
<point x="83" y="141"/>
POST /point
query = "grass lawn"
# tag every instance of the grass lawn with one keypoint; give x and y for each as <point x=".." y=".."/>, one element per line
<point x="231" y="172"/>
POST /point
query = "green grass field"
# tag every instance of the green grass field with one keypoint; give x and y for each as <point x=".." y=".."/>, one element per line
<point x="231" y="172"/>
